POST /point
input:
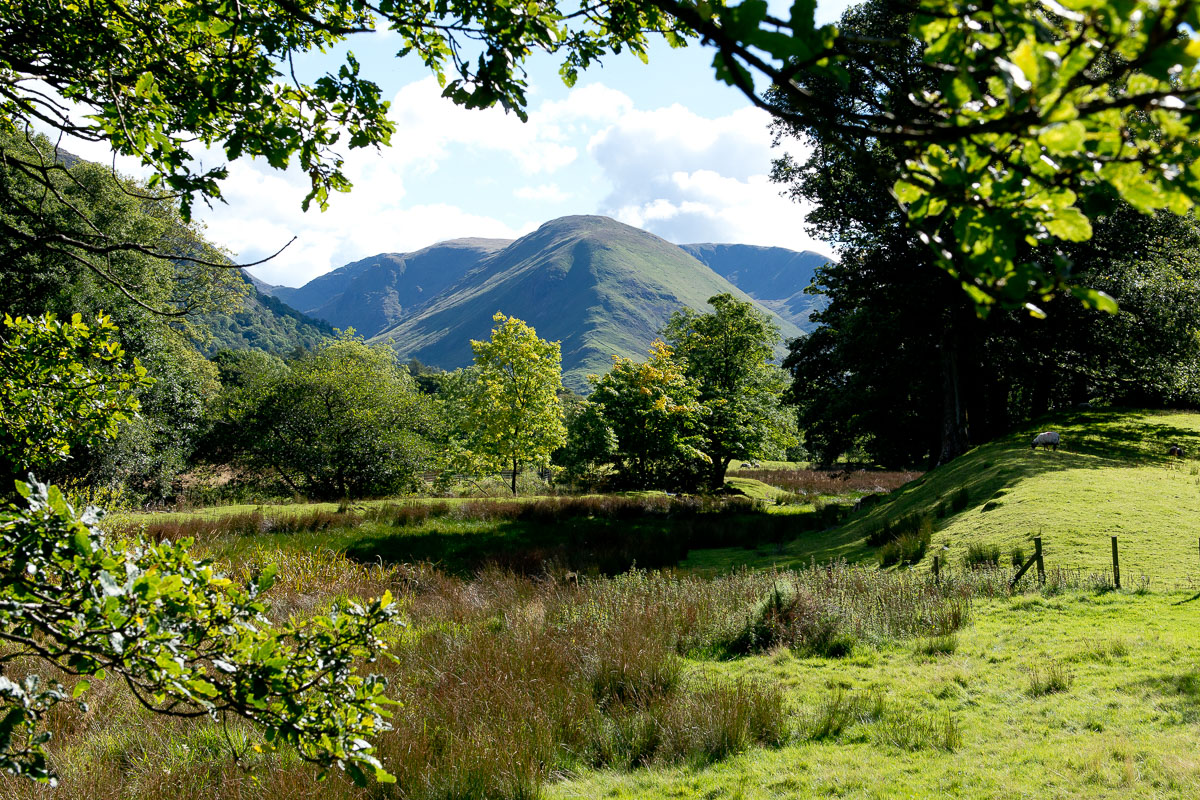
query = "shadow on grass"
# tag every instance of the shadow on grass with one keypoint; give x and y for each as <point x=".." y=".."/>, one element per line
<point x="589" y="545"/>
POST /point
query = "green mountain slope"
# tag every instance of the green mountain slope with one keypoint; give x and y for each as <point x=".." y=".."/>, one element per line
<point x="774" y="276"/>
<point x="262" y="322"/>
<point x="597" y="285"/>
<point x="373" y="294"/>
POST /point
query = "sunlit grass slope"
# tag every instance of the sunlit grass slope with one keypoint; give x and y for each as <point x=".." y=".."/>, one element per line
<point x="1111" y="476"/>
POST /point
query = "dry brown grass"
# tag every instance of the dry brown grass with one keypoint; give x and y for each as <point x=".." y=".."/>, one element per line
<point x="830" y="482"/>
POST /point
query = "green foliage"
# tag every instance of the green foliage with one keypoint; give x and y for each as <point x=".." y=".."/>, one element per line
<point x="981" y="555"/>
<point x="654" y="412"/>
<point x="1021" y="114"/>
<point x="185" y="640"/>
<point x="727" y="355"/>
<point x="885" y="373"/>
<point x="344" y="421"/>
<point x="591" y="444"/>
<point x="513" y="414"/>
<point x="63" y="386"/>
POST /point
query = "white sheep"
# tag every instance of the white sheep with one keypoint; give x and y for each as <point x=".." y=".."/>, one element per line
<point x="1046" y="439"/>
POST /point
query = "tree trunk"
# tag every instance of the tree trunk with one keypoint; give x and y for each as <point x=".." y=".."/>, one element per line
<point x="954" y="423"/>
<point x="716" y="480"/>
<point x="514" y="478"/>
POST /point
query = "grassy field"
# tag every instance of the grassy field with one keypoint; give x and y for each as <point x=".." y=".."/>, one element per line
<point x="1118" y="720"/>
<point x="716" y="681"/>
<point x="1109" y="477"/>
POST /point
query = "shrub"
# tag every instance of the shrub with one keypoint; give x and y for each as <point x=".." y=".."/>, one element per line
<point x="1017" y="557"/>
<point x="961" y="499"/>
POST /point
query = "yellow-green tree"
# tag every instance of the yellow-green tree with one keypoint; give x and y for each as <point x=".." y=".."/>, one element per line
<point x="653" y="411"/>
<point x="516" y="416"/>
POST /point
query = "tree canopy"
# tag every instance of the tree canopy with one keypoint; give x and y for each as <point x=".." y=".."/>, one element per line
<point x="727" y="354"/>
<point x="902" y="369"/>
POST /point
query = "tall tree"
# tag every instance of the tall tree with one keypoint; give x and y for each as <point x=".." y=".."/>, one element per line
<point x="653" y="412"/>
<point x="728" y="354"/>
<point x="515" y="416"/>
<point x="900" y="363"/>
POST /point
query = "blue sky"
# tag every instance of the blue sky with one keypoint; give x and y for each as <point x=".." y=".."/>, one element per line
<point x="660" y="146"/>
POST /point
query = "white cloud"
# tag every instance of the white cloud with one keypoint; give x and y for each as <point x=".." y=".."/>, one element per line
<point x="689" y="178"/>
<point x="549" y="192"/>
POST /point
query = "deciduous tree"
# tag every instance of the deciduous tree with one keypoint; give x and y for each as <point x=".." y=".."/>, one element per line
<point x="1027" y="107"/>
<point x="345" y="421"/>
<point x="185" y="640"/>
<point x="727" y="354"/>
<point x="514" y="414"/>
<point x="653" y="411"/>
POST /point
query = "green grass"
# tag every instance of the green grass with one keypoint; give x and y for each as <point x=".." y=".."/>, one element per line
<point x="1126" y="725"/>
<point x="1109" y="477"/>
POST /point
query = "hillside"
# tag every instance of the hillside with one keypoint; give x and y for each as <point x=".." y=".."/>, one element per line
<point x="774" y="276"/>
<point x="264" y="323"/>
<point x="1109" y="477"/>
<point x="373" y="294"/>
<point x="597" y="285"/>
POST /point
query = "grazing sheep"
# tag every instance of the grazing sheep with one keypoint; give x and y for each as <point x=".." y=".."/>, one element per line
<point x="1046" y="439"/>
<point x="1175" y="450"/>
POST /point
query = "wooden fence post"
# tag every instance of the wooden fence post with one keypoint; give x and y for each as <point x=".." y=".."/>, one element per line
<point x="936" y="569"/>
<point x="1037" y="554"/>
<point x="1116" y="565"/>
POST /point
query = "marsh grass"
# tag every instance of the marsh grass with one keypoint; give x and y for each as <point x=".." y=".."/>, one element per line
<point x="940" y="645"/>
<point x="841" y="709"/>
<point x="980" y="555"/>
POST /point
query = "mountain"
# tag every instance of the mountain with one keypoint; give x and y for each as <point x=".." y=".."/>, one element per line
<point x="373" y="294"/>
<point x="597" y="285"/>
<point x="262" y="322"/>
<point x="774" y="276"/>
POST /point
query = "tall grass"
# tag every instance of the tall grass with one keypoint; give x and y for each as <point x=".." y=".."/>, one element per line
<point x="506" y="681"/>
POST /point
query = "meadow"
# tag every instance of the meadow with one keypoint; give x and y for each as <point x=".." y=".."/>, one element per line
<point x="650" y="646"/>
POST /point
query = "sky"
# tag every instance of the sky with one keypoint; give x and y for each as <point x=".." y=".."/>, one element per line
<point x="663" y="147"/>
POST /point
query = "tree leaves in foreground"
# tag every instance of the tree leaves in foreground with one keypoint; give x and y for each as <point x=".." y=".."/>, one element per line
<point x="1030" y="104"/>
<point x="186" y="641"/>
<point x="63" y="386"/>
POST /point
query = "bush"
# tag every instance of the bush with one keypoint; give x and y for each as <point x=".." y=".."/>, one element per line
<point x="961" y="499"/>
<point x="1017" y="557"/>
